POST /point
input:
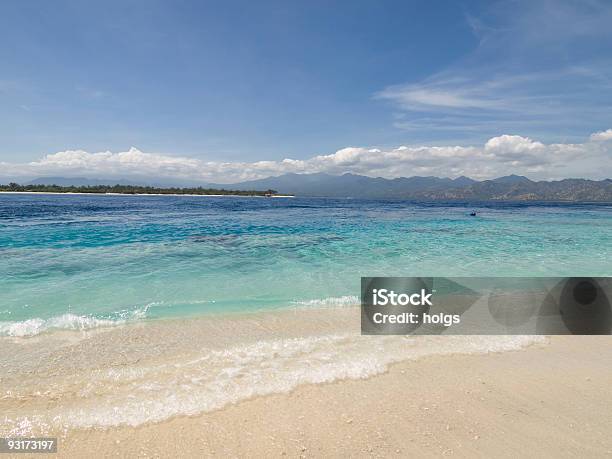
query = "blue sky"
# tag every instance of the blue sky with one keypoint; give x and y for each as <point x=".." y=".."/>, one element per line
<point x="241" y="82"/>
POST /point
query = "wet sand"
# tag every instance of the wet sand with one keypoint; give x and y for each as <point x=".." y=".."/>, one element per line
<point x="304" y="383"/>
<point x="545" y="401"/>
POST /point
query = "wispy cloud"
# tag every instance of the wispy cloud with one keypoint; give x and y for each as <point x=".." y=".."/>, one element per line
<point x="538" y="67"/>
<point x="498" y="156"/>
<point x="438" y="95"/>
<point x="504" y="94"/>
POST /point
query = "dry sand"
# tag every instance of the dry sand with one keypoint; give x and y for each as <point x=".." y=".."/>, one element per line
<point x="551" y="400"/>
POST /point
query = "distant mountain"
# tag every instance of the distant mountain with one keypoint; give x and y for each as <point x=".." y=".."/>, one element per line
<point x="508" y="188"/>
<point x="527" y="190"/>
<point x="463" y="181"/>
<point x="351" y="185"/>
<point x="512" y="179"/>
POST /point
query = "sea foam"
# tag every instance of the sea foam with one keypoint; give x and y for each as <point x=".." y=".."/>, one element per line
<point x="212" y="379"/>
<point x="346" y="300"/>
<point x="36" y="326"/>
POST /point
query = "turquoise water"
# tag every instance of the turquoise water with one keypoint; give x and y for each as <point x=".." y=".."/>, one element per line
<point x="78" y="261"/>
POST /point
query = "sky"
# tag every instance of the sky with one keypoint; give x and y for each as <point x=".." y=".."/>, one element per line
<point x="224" y="91"/>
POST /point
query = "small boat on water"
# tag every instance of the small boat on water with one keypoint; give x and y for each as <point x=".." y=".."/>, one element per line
<point x="473" y="213"/>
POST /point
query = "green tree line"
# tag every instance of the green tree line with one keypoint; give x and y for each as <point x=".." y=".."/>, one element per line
<point x="130" y="189"/>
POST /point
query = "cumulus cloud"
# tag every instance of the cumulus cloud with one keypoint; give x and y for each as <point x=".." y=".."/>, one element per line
<point x="602" y="136"/>
<point x="501" y="155"/>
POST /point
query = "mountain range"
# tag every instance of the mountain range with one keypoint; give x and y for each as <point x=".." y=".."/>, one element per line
<point x="509" y="188"/>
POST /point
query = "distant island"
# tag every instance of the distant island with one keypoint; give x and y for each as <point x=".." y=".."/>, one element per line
<point x="416" y="188"/>
<point x="129" y="189"/>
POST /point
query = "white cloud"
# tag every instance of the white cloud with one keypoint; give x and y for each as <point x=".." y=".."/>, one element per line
<point x="131" y="161"/>
<point x="501" y="155"/>
<point x="513" y="145"/>
<point x="602" y="136"/>
<point x="417" y="97"/>
<point x="516" y="150"/>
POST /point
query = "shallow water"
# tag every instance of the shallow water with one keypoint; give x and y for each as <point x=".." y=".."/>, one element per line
<point x="79" y="262"/>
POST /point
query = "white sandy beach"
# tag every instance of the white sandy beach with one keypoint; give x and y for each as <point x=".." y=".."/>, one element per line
<point x="546" y="401"/>
<point x="295" y="383"/>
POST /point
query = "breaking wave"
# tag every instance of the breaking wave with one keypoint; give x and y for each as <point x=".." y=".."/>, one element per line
<point x="36" y="326"/>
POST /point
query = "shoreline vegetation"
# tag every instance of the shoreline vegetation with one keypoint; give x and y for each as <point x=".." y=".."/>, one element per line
<point x="133" y="189"/>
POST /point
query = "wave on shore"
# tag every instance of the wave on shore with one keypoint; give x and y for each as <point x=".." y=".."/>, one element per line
<point x="133" y="376"/>
<point x="36" y="326"/>
<point x="74" y="322"/>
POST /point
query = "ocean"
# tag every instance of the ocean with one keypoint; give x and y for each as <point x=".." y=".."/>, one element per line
<point x="85" y="261"/>
<point x="128" y="310"/>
